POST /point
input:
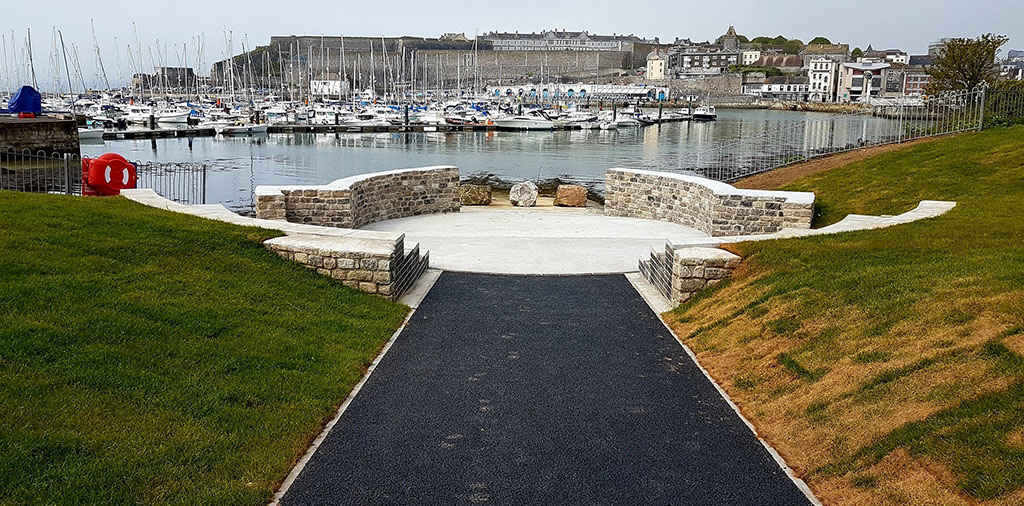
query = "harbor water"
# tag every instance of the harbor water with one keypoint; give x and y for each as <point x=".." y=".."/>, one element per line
<point x="235" y="165"/>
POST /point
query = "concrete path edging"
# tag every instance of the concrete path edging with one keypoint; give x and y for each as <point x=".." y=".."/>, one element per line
<point x="412" y="298"/>
<point x="654" y="299"/>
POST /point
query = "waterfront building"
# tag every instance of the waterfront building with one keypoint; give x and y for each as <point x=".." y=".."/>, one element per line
<point x="559" y="40"/>
<point x="822" y="78"/>
<point x="866" y="78"/>
<point x="785" y="88"/>
<point x="752" y="83"/>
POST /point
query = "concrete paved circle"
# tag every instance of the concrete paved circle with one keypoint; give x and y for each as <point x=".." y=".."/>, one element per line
<point x="536" y="241"/>
<point x="539" y="390"/>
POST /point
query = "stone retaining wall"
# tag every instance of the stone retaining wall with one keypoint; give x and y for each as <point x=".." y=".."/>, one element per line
<point x="358" y="200"/>
<point x="715" y="208"/>
<point x="680" y="273"/>
<point x="378" y="267"/>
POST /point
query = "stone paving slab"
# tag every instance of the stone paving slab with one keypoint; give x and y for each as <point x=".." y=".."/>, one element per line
<point x="539" y="390"/>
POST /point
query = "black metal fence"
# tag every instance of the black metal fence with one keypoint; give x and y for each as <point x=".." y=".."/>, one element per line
<point x="43" y="172"/>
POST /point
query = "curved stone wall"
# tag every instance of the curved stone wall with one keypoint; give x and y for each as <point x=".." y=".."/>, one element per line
<point x="358" y="200"/>
<point x="713" y="207"/>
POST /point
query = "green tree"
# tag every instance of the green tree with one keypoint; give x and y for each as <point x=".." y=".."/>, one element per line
<point x="856" y="53"/>
<point x="779" y="40"/>
<point x="964" y="64"/>
<point x="820" y="40"/>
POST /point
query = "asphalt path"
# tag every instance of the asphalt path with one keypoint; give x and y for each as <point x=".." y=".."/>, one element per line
<point x="539" y="390"/>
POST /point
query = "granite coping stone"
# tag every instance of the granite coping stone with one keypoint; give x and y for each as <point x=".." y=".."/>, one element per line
<point x="722" y="189"/>
<point x="343" y="183"/>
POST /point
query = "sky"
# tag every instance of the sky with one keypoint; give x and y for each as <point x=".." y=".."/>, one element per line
<point x="905" y="24"/>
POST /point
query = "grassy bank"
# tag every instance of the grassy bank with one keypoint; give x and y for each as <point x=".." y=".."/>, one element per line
<point x="887" y="366"/>
<point x="147" y="357"/>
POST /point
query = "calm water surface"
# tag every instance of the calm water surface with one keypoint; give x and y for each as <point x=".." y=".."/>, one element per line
<point x="237" y="165"/>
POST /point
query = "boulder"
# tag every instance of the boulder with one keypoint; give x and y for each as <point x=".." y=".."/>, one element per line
<point x="523" y="194"/>
<point x="475" y="194"/>
<point x="571" y="195"/>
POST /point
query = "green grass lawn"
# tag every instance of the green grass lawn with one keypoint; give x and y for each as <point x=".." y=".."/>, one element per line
<point x="888" y="365"/>
<point x="148" y="357"/>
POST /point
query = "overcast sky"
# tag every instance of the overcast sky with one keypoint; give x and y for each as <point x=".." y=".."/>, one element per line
<point x="904" y="24"/>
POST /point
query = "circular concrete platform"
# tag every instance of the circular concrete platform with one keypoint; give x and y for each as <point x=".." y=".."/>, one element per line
<point x="536" y="241"/>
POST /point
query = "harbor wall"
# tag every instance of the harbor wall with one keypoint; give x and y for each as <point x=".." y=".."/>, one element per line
<point x="48" y="134"/>
<point x="712" y="207"/>
<point x="432" y="67"/>
<point x="358" y="200"/>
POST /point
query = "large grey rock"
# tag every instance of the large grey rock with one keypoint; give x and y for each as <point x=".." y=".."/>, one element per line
<point x="523" y="194"/>
<point x="475" y="194"/>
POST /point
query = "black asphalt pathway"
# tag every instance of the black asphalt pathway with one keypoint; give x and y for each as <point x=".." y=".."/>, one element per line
<point x="539" y="390"/>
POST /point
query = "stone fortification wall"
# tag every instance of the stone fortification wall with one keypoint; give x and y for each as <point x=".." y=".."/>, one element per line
<point x="715" y="208"/>
<point x="358" y="200"/>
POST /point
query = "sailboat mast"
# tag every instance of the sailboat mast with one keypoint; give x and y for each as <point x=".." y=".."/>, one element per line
<point x="31" y="59"/>
<point x="68" y="71"/>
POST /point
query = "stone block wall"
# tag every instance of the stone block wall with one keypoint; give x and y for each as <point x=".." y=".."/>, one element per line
<point x="679" y="274"/>
<point x="48" y="134"/>
<point x="358" y="200"/>
<point x="715" y="208"/>
<point x="380" y="267"/>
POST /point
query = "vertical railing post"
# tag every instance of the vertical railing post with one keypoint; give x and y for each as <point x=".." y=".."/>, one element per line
<point x="204" y="183"/>
<point x="67" y="173"/>
<point x="981" y="112"/>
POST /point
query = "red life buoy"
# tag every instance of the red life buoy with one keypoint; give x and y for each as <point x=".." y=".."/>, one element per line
<point x="107" y="174"/>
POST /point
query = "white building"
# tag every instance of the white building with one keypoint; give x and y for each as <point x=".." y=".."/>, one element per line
<point x="656" y="65"/>
<point x="785" y="88"/>
<point x="865" y="78"/>
<point x="822" y="76"/>
<point x="750" y="57"/>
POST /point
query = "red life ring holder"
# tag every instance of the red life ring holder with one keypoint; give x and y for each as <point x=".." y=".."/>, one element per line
<point x="108" y="174"/>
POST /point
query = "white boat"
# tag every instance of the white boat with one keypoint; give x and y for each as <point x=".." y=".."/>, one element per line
<point x="705" y="113"/>
<point x="532" y="121"/>
<point x="239" y="130"/>
<point x="366" y="119"/>
<point x="90" y="134"/>
<point x="174" y="116"/>
<point x="139" y="114"/>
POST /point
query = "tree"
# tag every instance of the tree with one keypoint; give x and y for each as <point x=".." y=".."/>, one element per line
<point x="856" y="53"/>
<point x="793" y="47"/>
<point x="964" y="64"/>
<point x="820" y="40"/>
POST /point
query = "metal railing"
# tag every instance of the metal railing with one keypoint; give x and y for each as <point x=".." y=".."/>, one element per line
<point x="184" y="183"/>
<point x="45" y="172"/>
<point x="40" y="172"/>
<point x="884" y="122"/>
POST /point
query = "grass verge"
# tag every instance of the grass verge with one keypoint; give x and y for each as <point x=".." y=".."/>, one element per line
<point x="148" y="357"/>
<point x="886" y="365"/>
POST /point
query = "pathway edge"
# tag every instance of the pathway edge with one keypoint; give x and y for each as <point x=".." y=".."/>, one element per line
<point x="643" y="287"/>
<point x="413" y="297"/>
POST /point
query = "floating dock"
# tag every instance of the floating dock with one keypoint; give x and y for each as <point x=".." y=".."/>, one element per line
<point x="145" y="134"/>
